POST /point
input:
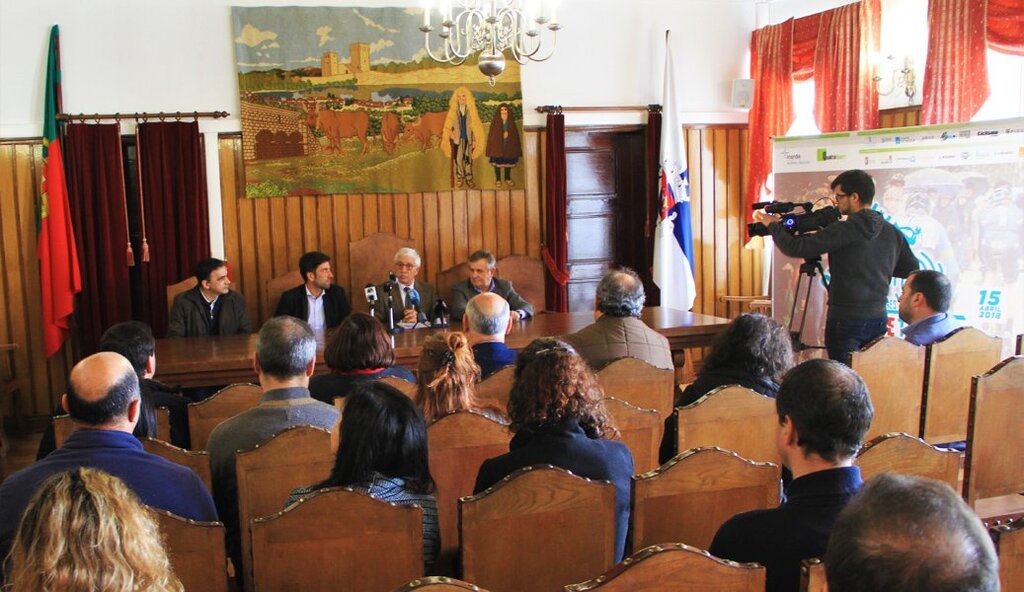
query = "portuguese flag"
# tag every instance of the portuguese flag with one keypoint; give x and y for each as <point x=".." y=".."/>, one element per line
<point x="59" y="274"/>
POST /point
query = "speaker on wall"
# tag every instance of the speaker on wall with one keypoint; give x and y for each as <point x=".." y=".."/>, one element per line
<point x="742" y="93"/>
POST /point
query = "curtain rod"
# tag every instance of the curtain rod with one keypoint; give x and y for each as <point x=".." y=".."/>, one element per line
<point x="561" y="109"/>
<point x="177" y="115"/>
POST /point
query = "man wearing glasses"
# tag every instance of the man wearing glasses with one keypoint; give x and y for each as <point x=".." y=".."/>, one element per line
<point x="864" y="253"/>
<point x="410" y="296"/>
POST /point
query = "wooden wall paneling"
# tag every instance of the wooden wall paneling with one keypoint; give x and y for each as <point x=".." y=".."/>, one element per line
<point x="279" y="224"/>
<point x="431" y="257"/>
<point x="475" y="222"/>
<point x="460" y="224"/>
<point x="371" y="223"/>
<point x="489" y="212"/>
<point x="518" y="227"/>
<point x="532" y="154"/>
<point x="733" y="205"/>
<point x="417" y="223"/>
<point x="505" y="223"/>
<point x="230" y="160"/>
<point x="445" y="227"/>
<point x="719" y="148"/>
<point x="292" y="223"/>
<point x="706" y="269"/>
<point x="386" y="214"/>
<point x="354" y="206"/>
<point x="401" y="209"/>
<point x="900" y="117"/>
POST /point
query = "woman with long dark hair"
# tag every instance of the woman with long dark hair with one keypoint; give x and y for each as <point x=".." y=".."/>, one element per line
<point x="381" y="449"/>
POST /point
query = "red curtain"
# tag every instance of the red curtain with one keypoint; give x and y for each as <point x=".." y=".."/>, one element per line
<point x="805" y="42"/>
<point x="1005" y="26"/>
<point x="844" y="90"/>
<point x="175" y="224"/>
<point x="956" y="74"/>
<point x="771" y="114"/>
<point x="95" y="178"/>
<point x="556" y="240"/>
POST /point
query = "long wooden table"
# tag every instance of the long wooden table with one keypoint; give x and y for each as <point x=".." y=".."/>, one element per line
<point x="212" y="361"/>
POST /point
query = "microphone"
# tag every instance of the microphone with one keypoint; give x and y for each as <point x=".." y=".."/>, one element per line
<point x="370" y="291"/>
<point x="412" y="298"/>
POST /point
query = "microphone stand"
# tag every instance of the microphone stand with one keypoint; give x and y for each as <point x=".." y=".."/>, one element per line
<point x="393" y="327"/>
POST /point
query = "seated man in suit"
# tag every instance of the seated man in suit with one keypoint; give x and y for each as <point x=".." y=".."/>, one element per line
<point x="319" y="301"/>
<point x="487" y="321"/>
<point x="481" y="280"/>
<point x="924" y="306"/>
<point x="617" y="331"/>
<point x="284" y="360"/>
<point x="824" y="411"/>
<point x="211" y="308"/>
<point x="903" y="533"/>
<point x="103" y="400"/>
<point x="406" y="291"/>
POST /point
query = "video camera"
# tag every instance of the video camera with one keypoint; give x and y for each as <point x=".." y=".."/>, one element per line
<point x="796" y="224"/>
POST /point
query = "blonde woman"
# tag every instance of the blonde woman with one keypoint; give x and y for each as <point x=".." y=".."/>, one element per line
<point x="84" y="530"/>
<point x="447" y="375"/>
<point x="463" y="138"/>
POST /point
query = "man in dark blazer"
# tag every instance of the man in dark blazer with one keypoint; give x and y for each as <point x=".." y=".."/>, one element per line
<point x="406" y="268"/>
<point x="211" y="308"/>
<point x="482" y="280"/>
<point x="318" y="301"/>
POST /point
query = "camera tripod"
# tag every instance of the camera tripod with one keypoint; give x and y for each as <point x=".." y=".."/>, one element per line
<point x="809" y="268"/>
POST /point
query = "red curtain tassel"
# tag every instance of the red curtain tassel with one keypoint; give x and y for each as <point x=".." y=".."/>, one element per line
<point x="131" y="256"/>
<point x="145" y="251"/>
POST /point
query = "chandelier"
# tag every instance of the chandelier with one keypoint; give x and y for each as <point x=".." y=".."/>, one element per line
<point x="489" y="27"/>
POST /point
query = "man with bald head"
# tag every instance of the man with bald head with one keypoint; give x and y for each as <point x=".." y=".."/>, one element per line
<point x="487" y="321"/>
<point x="103" y="401"/>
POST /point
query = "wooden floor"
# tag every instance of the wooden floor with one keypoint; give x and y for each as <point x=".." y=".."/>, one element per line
<point x="21" y="454"/>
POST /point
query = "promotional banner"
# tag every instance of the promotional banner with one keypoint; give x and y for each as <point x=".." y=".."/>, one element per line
<point x="346" y="100"/>
<point x="955" y="191"/>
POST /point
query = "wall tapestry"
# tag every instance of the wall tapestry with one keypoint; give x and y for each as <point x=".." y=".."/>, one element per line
<point x="339" y="100"/>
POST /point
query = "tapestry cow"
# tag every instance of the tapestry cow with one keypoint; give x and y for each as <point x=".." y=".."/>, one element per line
<point x="429" y="125"/>
<point x="390" y="127"/>
<point x="338" y="125"/>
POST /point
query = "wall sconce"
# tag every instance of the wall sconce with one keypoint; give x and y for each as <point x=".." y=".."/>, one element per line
<point x="898" y="78"/>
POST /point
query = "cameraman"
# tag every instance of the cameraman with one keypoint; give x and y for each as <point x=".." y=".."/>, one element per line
<point x="864" y="253"/>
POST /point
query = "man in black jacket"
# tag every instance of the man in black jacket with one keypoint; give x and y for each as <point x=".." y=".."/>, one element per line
<point x="211" y="308"/>
<point x="864" y="253"/>
<point x="319" y="301"/>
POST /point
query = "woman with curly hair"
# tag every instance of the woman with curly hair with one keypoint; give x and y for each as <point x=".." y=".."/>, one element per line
<point x="753" y="351"/>
<point x="357" y="352"/>
<point x="558" y="418"/>
<point x="84" y="530"/>
<point x="380" y="448"/>
<point x="447" y="375"/>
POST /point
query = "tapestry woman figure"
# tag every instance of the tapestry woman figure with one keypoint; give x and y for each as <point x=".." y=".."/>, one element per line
<point x="503" y="146"/>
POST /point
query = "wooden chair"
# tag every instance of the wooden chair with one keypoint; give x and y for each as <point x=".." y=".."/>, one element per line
<point x="497" y="386"/>
<point x="370" y="258"/>
<point x="196" y="551"/>
<point x="198" y="461"/>
<point x="527" y="277"/>
<point x="690" y="496"/>
<point x="273" y="289"/>
<point x="760" y="304"/>
<point x="949" y="366"/>
<point x="174" y="289"/>
<point x="733" y="418"/>
<point x="993" y="466"/>
<point x="459" y="443"/>
<point x="297" y="457"/>
<point x="640" y="429"/>
<point x="163" y="424"/>
<point x="446" y="280"/>
<point x="677" y="567"/>
<point x="438" y="584"/>
<point x="508" y="537"/>
<point x="62" y="428"/>
<point x="812" y="575"/>
<point x="893" y="370"/>
<point x="637" y="382"/>
<point x="337" y="538"/>
<point x="907" y="455"/>
<point x="225" y="403"/>
<point x="407" y="388"/>
<point x="1009" y="539"/>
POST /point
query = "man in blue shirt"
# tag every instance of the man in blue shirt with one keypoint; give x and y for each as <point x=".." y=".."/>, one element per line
<point x="487" y="322"/>
<point x="103" y="400"/>
<point x="824" y="411"/>
<point x="924" y="306"/>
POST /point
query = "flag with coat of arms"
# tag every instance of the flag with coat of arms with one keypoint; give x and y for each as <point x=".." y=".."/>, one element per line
<point x="673" y="238"/>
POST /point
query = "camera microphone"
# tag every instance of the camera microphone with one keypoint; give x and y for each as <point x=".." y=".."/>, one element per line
<point x="370" y="291"/>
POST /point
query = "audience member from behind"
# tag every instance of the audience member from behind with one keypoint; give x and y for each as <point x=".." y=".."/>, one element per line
<point x="904" y="533"/>
<point x="381" y="449"/>
<point x="210" y="308"/>
<point x="824" y="411"/>
<point x="134" y="341"/>
<point x="84" y="530"/>
<point x="318" y="300"/>
<point x="358" y="351"/>
<point x="103" y="401"/>
<point x="487" y="321"/>
<point x="617" y="331"/>
<point x="754" y="351"/>
<point x="558" y="418"/>
<point x="447" y="375"/>
<point x="284" y="361"/>
<point x="924" y="306"/>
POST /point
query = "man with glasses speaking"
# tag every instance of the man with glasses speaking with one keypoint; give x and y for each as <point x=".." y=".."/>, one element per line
<point x="411" y="299"/>
<point x="864" y="253"/>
